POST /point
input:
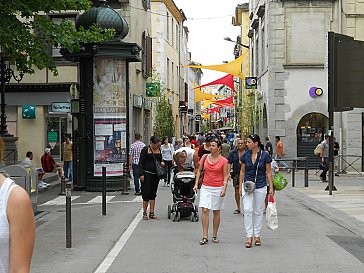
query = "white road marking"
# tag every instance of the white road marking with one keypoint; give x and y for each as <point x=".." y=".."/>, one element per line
<point x="61" y="200"/>
<point x="58" y="201"/>
<point x="98" y="199"/>
<point x="114" y="252"/>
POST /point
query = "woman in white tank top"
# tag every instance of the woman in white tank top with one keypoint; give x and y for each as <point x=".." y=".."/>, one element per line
<point x="17" y="226"/>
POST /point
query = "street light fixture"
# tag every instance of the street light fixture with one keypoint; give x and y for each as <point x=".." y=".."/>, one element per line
<point x="229" y="40"/>
<point x="6" y="74"/>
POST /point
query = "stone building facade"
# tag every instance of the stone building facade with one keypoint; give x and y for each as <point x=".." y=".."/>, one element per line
<point x="288" y="46"/>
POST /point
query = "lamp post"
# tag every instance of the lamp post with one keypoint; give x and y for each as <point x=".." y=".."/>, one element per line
<point x="6" y="74"/>
<point x="229" y="40"/>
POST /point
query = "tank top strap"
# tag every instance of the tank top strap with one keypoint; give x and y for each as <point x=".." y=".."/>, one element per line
<point x="5" y="191"/>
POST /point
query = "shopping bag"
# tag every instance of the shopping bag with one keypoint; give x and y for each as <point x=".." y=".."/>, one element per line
<point x="271" y="214"/>
<point x="279" y="181"/>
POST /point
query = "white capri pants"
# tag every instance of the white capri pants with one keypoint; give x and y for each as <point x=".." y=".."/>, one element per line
<point x="257" y="198"/>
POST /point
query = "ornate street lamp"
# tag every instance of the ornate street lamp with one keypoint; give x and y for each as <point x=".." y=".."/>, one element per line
<point x="6" y="74"/>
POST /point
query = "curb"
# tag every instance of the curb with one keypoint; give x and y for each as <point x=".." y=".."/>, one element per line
<point x="340" y="218"/>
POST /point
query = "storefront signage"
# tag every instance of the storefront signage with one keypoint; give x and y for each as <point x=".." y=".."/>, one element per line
<point x="52" y="136"/>
<point x="251" y="83"/>
<point x="63" y="107"/>
<point x="28" y="112"/>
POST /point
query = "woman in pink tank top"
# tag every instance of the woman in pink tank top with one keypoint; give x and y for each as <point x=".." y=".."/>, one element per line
<point x="213" y="189"/>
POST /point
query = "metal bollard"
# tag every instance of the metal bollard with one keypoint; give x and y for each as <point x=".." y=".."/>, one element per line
<point x="306" y="171"/>
<point x="125" y="179"/>
<point x="293" y="174"/>
<point x="103" y="190"/>
<point x="68" y="216"/>
<point x="63" y="186"/>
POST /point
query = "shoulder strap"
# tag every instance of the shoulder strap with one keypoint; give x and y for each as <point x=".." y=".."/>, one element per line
<point x="203" y="162"/>
<point x="256" y="172"/>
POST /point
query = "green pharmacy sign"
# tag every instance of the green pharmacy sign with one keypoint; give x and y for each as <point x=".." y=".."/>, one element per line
<point x="28" y="111"/>
<point x="153" y="89"/>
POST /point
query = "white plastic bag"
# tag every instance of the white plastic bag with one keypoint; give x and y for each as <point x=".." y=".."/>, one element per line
<point x="271" y="214"/>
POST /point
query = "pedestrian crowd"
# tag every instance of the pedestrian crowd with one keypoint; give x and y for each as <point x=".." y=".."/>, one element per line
<point x="217" y="159"/>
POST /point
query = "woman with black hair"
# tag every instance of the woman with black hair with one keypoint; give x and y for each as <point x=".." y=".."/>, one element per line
<point x="148" y="177"/>
<point x="255" y="166"/>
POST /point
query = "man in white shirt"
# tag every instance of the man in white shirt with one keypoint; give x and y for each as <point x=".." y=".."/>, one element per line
<point x="191" y="161"/>
<point x="27" y="163"/>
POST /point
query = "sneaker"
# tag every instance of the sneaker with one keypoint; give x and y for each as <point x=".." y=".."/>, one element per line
<point x="41" y="186"/>
<point x="44" y="184"/>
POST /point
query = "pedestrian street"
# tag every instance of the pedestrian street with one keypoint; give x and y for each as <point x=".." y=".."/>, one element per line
<point x="121" y="241"/>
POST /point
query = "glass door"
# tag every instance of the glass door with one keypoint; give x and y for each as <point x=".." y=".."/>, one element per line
<point x="56" y="131"/>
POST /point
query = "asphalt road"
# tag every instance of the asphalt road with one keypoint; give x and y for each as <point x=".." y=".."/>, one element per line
<point x="305" y="241"/>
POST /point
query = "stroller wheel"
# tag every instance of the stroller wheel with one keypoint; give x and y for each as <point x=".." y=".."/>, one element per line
<point x="169" y="211"/>
<point x="196" y="216"/>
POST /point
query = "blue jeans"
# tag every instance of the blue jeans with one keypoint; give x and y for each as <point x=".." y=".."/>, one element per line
<point x="67" y="169"/>
<point x="281" y="162"/>
<point x="136" y="177"/>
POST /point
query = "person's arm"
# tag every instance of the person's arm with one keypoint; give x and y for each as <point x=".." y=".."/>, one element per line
<point x="22" y="230"/>
<point x="322" y="153"/>
<point x="195" y="161"/>
<point x="226" y="179"/>
<point x="198" y="173"/>
<point x="241" y="177"/>
<point x="143" y="155"/>
<point x="268" y="171"/>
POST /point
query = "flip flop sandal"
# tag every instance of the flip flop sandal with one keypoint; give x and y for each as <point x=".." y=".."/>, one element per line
<point x="145" y="217"/>
<point x="237" y="211"/>
<point x="257" y="241"/>
<point x="215" y="240"/>
<point x="204" y="241"/>
<point x="248" y="243"/>
<point x="152" y="216"/>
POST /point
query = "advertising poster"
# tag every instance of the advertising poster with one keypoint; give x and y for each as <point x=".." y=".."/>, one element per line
<point x="109" y="116"/>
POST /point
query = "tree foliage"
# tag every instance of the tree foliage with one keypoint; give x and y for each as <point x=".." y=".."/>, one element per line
<point x="164" y="125"/>
<point x="26" y="31"/>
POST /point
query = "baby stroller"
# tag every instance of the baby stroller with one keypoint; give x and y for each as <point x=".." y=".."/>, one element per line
<point x="183" y="197"/>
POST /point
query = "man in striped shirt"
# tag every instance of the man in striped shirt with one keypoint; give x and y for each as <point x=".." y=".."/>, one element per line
<point x="134" y="155"/>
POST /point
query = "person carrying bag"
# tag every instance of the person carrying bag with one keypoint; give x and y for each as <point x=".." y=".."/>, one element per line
<point x="150" y="170"/>
<point x="255" y="166"/>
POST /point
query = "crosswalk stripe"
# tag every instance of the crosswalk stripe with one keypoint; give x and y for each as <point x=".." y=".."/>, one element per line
<point x="98" y="199"/>
<point x="60" y="200"/>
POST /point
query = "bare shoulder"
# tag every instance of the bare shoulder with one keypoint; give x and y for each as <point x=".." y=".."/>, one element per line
<point x="18" y="197"/>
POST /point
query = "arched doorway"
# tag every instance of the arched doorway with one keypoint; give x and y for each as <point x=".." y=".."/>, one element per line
<point x="310" y="131"/>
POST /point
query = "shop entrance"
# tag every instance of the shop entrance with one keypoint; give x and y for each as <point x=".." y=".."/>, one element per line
<point x="310" y="132"/>
<point x="56" y="131"/>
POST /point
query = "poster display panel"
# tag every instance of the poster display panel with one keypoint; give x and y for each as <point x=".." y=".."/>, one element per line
<point x="109" y="98"/>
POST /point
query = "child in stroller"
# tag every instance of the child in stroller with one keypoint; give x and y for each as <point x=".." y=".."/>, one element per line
<point x="183" y="194"/>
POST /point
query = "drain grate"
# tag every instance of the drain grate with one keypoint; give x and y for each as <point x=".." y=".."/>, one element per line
<point x="352" y="244"/>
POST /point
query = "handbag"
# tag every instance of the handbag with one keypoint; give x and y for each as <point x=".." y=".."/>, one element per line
<point x="202" y="172"/>
<point x="279" y="182"/>
<point x="159" y="170"/>
<point x="249" y="186"/>
<point x="271" y="214"/>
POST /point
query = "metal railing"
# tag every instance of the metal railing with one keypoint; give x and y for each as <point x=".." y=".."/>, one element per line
<point x="349" y="161"/>
<point x="296" y="166"/>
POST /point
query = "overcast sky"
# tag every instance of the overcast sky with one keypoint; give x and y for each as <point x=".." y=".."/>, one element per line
<point x="206" y="36"/>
